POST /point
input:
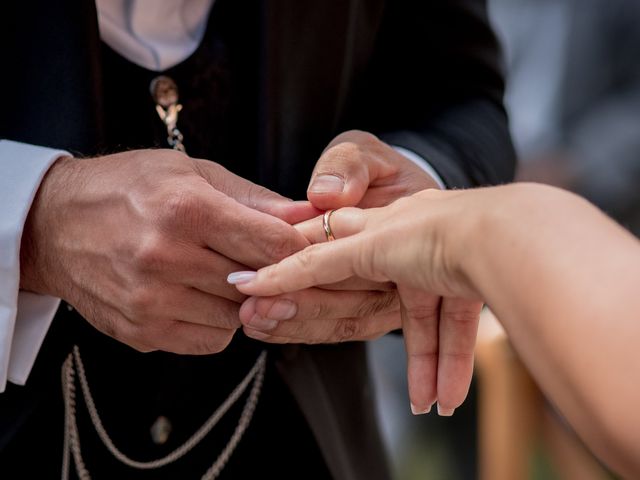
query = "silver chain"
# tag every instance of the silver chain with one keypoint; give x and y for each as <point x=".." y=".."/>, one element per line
<point x="71" y="446"/>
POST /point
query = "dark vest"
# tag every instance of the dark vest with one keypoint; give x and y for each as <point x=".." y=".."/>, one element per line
<point x="218" y="87"/>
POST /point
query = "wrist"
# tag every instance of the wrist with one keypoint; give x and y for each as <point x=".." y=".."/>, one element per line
<point x="498" y="231"/>
<point x="472" y="238"/>
<point x="35" y="259"/>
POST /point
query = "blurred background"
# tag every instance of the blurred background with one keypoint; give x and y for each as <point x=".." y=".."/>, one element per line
<point x="574" y="102"/>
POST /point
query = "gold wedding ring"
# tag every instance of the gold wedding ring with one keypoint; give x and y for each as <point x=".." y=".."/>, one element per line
<point x="326" y="225"/>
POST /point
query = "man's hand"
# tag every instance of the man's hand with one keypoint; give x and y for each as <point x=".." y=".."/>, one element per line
<point x="140" y="244"/>
<point x="359" y="170"/>
<point x="356" y="169"/>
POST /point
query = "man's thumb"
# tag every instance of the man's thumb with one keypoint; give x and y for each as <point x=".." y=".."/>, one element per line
<point x="340" y="178"/>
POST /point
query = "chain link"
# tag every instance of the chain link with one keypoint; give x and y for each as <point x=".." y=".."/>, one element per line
<point x="71" y="445"/>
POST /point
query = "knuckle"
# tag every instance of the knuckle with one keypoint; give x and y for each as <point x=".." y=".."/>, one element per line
<point x="229" y="320"/>
<point x="463" y="316"/>
<point x="140" y="303"/>
<point x="215" y="343"/>
<point x="256" y="195"/>
<point x="252" y="195"/>
<point x="319" y="311"/>
<point x="423" y="314"/>
<point x="272" y="275"/>
<point x="150" y="254"/>
<point x="280" y="244"/>
<point x="458" y="355"/>
<point x="180" y="208"/>
<point x="346" y="151"/>
<point x="346" y="329"/>
<point x="353" y="136"/>
<point x="377" y="303"/>
<point x="306" y="260"/>
<point x="348" y="146"/>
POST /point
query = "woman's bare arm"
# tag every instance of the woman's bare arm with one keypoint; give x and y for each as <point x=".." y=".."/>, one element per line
<point x="562" y="277"/>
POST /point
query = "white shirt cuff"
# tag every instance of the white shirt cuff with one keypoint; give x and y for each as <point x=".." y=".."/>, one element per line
<point x="35" y="314"/>
<point x="422" y="163"/>
<point x="24" y="317"/>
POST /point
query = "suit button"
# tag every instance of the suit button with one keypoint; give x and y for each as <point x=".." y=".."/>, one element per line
<point x="160" y="430"/>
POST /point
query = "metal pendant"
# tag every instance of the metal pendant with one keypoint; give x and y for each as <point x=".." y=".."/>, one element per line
<point x="164" y="92"/>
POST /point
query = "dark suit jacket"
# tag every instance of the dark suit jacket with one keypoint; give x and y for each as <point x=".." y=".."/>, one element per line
<point x="421" y="74"/>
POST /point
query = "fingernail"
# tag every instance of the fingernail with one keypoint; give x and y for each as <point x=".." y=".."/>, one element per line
<point x="261" y="323"/>
<point x="282" y="310"/>
<point x="257" y="335"/>
<point x="445" y="412"/>
<point x="416" y="411"/>
<point x="238" y="278"/>
<point x="327" y="184"/>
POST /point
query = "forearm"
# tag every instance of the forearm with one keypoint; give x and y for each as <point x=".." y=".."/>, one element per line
<point x="563" y="280"/>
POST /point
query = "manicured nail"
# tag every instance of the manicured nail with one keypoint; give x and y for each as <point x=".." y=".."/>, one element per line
<point x="327" y="184"/>
<point x="260" y="323"/>
<point x="238" y="278"/>
<point x="445" y="412"/>
<point x="282" y="310"/>
<point x="416" y="411"/>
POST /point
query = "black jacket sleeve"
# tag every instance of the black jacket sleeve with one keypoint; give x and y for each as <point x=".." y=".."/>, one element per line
<point x="435" y="87"/>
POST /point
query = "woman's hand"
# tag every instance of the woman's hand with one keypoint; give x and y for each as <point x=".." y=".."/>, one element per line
<point x="414" y="243"/>
<point x="561" y="277"/>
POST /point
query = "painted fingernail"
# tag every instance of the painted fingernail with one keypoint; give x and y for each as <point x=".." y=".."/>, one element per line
<point x="238" y="278"/>
<point x="282" y="310"/>
<point x="445" y="412"/>
<point x="416" y="411"/>
<point x="327" y="184"/>
<point x="260" y="323"/>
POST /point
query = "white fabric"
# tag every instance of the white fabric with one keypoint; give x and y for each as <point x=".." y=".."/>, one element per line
<point x="155" y="34"/>
<point x="35" y="314"/>
<point x="23" y="326"/>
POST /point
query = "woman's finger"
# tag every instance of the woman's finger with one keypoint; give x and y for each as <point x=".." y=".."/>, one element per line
<point x="420" y="316"/>
<point x="458" y="328"/>
<point x="343" y="223"/>
<point x="320" y="264"/>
